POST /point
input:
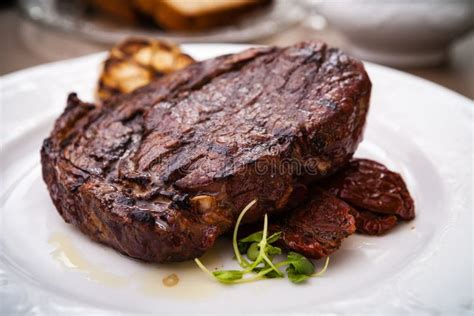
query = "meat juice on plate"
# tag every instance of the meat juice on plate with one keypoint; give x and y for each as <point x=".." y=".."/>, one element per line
<point x="181" y="280"/>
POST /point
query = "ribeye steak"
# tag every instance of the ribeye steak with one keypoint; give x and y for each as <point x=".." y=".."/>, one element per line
<point x="159" y="174"/>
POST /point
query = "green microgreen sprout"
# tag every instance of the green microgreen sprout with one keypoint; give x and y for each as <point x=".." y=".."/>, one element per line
<point x="320" y="273"/>
<point x="260" y="253"/>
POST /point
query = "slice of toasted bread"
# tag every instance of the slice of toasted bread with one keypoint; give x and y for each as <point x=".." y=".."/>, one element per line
<point x="122" y="10"/>
<point x="135" y="62"/>
<point x="192" y="15"/>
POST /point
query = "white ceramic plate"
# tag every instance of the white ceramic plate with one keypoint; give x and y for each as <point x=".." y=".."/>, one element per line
<point x="415" y="127"/>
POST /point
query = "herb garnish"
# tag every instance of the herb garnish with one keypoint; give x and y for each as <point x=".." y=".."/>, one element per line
<point x="259" y="253"/>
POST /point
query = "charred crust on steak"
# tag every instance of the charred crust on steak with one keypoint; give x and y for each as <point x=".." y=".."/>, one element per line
<point x="181" y="201"/>
<point x="202" y="131"/>
<point x="142" y="216"/>
<point x="125" y="200"/>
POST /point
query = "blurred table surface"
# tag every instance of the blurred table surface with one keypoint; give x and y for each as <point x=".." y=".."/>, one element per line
<point x="27" y="44"/>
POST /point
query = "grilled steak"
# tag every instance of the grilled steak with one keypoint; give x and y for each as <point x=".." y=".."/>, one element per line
<point x="159" y="174"/>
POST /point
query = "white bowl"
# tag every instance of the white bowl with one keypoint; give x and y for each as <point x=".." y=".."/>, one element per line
<point x="400" y="33"/>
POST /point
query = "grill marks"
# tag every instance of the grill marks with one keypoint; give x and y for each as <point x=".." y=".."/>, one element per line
<point x="238" y="104"/>
<point x="243" y="106"/>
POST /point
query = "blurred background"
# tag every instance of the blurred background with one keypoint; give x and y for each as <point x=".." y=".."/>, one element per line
<point x="428" y="38"/>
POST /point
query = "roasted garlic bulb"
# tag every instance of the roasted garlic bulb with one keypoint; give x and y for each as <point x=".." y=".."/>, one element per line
<point x="136" y="62"/>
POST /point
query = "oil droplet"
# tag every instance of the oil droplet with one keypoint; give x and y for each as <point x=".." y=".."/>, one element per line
<point x="68" y="256"/>
<point x="193" y="283"/>
<point x="171" y="280"/>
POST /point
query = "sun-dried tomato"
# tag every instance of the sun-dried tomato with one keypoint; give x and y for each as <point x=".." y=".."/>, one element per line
<point x="369" y="185"/>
